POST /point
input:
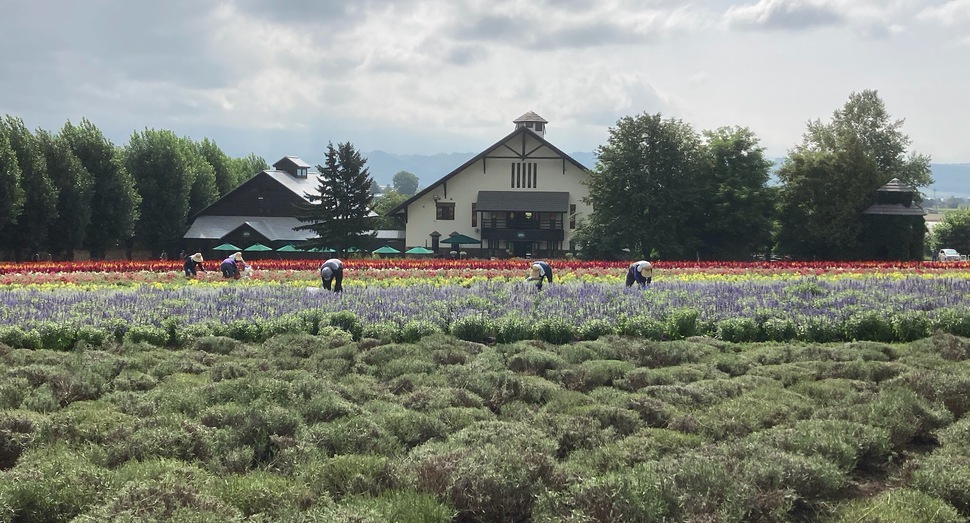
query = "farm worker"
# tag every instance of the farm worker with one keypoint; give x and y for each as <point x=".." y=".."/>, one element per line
<point x="540" y="270"/>
<point x="193" y="264"/>
<point x="641" y="273"/>
<point x="332" y="271"/>
<point x="230" y="266"/>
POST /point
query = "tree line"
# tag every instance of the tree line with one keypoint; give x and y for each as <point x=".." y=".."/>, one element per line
<point x="74" y="189"/>
<point x="660" y="189"/>
<point x="663" y="190"/>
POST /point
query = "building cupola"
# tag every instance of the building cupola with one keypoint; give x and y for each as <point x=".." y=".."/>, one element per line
<point x="533" y="122"/>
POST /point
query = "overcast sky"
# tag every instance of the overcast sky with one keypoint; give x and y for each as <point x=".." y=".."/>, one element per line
<point x="423" y="77"/>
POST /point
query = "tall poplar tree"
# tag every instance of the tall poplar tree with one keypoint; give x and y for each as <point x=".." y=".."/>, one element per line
<point x="11" y="193"/>
<point x="75" y="187"/>
<point x="340" y="211"/>
<point x="115" y="201"/>
<point x="40" y="195"/>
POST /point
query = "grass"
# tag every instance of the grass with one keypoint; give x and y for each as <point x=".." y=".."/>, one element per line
<point x="341" y="426"/>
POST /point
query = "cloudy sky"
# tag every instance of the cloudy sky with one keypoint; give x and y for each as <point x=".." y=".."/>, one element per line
<point x="440" y="76"/>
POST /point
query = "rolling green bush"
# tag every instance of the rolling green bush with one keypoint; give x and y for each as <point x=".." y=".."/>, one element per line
<point x="635" y="495"/>
<point x="414" y="330"/>
<point x="262" y="493"/>
<point x="910" y="325"/>
<point x="399" y="506"/>
<point x="945" y="474"/>
<point x="646" y="327"/>
<point x="778" y="329"/>
<point x="51" y="483"/>
<point x="59" y="336"/>
<point x="738" y="330"/>
<point x="512" y="328"/>
<point x="554" y="330"/>
<point x="535" y="361"/>
<point x="897" y="505"/>
<point x="348" y="322"/>
<point x="846" y="444"/>
<point x="682" y="323"/>
<point x="155" y="336"/>
<point x="385" y="331"/>
<point x="472" y="328"/>
<point x="869" y="325"/>
<point x="595" y="328"/>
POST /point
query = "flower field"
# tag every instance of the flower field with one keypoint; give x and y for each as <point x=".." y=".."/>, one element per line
<point x="485" y="300"/>
<point x="454" y="392"/>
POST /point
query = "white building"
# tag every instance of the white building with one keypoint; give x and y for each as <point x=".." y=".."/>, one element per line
<point x="520" y="197"/>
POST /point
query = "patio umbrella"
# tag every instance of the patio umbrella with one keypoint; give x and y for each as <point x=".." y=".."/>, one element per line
<point x="458" y="239"/>
<point x="288" y="248"/>
<point x="418" y="250"/>
<point x="351" y="249"/>
<point x="226" y="247"/>
<point x="386" y="250"/>
<point x="257" y="247"/>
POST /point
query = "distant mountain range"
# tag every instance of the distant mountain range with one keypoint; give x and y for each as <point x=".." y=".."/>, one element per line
<point x="950" y="179"/>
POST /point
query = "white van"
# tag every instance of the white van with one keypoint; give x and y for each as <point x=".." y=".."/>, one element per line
<point x="948" y="255"/>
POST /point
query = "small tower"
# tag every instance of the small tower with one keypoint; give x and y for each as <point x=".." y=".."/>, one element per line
<point x="533" y="122"/>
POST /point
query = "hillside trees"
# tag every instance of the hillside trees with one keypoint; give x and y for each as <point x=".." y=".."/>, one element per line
<point x="644" y="189"/>
<point x="405" y="183"/>
<point x="339" y="211"/>
<point x="953" y="232"/>
<point x="164" y="176"/>
<point x="388" y="200"/>
<point x="115" y="200"/>
<point x="660" y="190"/>
<point x="75" y="186"/>
<point x="11" y="192"/>
<point x="832" y="177"/>
<point x="30" y="233"/>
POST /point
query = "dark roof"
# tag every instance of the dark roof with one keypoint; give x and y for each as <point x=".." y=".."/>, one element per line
<point x="529" y="117"/>
<point x="535" y="201"/>
<point x="895" y="209"/>
<point x="298" y="186"/>
<point x="895" y="185"/>
<point x="273" y="228"/>
<point x="294" y="160"/>
<point x="481" y="155"/>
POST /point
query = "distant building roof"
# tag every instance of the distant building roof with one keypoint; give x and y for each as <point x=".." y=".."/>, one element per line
<point x="535" y="201"/>
<point x="294" y="160"/>
<point x="300" y="186"/>
<point x="895" y="209"/>
<point x="274" y="228"/>
<point x="895" y="185"/>
<point x="530" y="117"/>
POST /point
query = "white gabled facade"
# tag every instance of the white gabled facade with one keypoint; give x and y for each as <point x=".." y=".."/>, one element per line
<point x="522" y="196"/>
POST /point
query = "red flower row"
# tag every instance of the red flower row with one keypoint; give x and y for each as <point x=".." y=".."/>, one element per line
<point x="476" y="264"/>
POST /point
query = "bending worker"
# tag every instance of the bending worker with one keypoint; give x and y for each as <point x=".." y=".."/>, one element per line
<point x="332" y="271"/>
<point x="641" y="273"/>
<point x="539" y="271"/>
<point x="193" y="264"/>
<point x="232" y="266"/>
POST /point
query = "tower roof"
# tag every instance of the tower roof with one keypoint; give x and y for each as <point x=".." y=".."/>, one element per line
<point x="530" y="117"/>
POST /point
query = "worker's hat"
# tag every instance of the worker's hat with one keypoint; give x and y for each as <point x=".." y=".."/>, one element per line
<point x="197" y="257"/>
<point x="238" y="256"/>
<point x="326" y="273"/>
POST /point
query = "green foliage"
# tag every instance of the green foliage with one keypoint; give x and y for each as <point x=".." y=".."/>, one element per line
<point x="346" y="321"/>
<point x="414" y="330"/>
<point x="472" y="328"/>
<point x="385" y="331"/>
<point x="512" y="328"/>
<point x="52" y="483"/>
<point x="554" y="330"/>
<point x="682" y="323"/>
<point x="945" y="474"/>
<point x="595" y="328"/>
<point x="870" y="325"/>
<point x="635" y="495"/>
<point x="338" y="212"/>
<point x="348" y="475"/>
<point x="738" y="330"/>
<point x="897" y="505"/>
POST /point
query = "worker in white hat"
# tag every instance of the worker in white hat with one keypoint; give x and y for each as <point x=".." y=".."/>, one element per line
<point x="193" y="264"/>
<point x="332" y="273"/>
<point x="232" y="266"/>
<point x="641" y="273"/>
<point x="540" y="270"/>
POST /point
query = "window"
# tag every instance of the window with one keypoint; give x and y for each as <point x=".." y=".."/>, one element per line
<point x="474" y="215"/>
<point x="572" y="216"/>
<point x="525" y="175"/>
<point x="445" y="210"/>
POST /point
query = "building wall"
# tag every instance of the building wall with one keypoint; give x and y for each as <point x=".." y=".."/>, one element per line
<point x="492" y="173"/>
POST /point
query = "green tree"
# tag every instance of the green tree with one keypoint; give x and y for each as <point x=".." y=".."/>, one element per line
<point x="645" y="190"/>
<point x="205" y="186"/>
<point x="405" y="183"/>
<point x="115" y="201"/>
<point x="246" y="168"/>
<point x="832" y="177"/>
<point x="227" y="174"/>
<point x="339" y="212"/>
<point x="953" y="232"/>
<point x="40" y="195"/>
<point x="164" y="175"/>
<point x="11" y="193"/>
<point x="382" y="204"/>
<point x="75" y="189"/>
<point x="737" y="216"/>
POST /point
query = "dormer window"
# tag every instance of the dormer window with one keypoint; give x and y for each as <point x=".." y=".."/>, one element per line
<point x="301" y="172"/>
